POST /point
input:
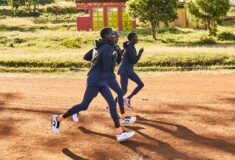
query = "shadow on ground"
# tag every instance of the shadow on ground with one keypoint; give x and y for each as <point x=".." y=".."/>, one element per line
<point x="187" y="134"/>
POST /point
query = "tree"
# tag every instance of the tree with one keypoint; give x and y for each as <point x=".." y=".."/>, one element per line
<point x="153" y="12"/>
<point x="32" y="5"/>
<point x="36" y="3"/>
<point x="3" y="2"/>
<point x="209" y="11"/>
<point x="28" y="5"/>
<point x="15" y="4"/>
<point x="55" y="9"/>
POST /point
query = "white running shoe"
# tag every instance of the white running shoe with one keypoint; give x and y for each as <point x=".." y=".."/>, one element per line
<point x="55" y="124"/>
<point x="125" y="135"/>
<point x="128" y="120"/>
<point x="127" y="103"/>
<point x="75" y="118"/>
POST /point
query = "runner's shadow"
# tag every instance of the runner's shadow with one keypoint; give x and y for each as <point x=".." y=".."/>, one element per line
<point x="71" y="155"/>
<point x="187" y="134"/>
<point x="229" y="100"/>
<point x="7" y="97"/>
<point x="8" y="129"/>
<point x="131" y="144"/>
<point x="2" y="104"/>
<point x="157" y="146"/>
<point x="14" y="109"/>
<point x="87" y="131"/>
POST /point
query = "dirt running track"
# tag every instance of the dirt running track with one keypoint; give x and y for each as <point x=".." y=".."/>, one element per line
<point x="188" y="116"/>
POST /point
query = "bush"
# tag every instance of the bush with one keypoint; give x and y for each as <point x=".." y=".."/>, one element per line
<point x="70" y="10"/>
<point x="228" y="23"/>
<point x="6" y="12"/>
<point x="19" y="40"/>
<point x="3" y="40"/>
<point x="55" y="9"/>
<point x="27" y="14"/>
<point x="226" y="36"/>
<point x="207" y="41"/>
<point x="3" y="2"/>
<point x="72" y="43"/>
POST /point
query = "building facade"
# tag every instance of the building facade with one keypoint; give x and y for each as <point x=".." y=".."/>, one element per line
<point x="104" y="13"/>
<point x="112" y="13"/>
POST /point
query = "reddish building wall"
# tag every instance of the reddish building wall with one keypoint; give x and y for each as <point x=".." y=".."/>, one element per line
<point x="86" y="23"/>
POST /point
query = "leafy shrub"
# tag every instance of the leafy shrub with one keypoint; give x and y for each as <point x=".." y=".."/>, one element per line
<point x="19" y="40"/>
<point x="207" y="41"/>
<point x="6" y="12"/>
<point x="55" y="9"/>
<point x="226" y="36"/>
<point x="3" y="2"/>
<point x="3" y="40"/>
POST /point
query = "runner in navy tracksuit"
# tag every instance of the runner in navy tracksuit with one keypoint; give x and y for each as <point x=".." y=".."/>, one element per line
<point x="112" y="83"/>
<point x="103" y="62"/>
<point x="126" y="69"/>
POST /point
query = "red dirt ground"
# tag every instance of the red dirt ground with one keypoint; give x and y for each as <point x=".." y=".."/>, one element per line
<point x="187" y="116"/>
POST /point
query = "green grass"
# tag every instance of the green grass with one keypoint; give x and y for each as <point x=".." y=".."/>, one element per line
<point x="27" y="46"/>
<point x="154" y="58"/>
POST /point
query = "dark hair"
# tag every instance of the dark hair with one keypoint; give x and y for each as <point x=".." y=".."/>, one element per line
<point x="131" y="35"/>
<point x="105" y="31"/>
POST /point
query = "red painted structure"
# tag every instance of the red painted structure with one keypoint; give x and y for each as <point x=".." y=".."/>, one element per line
<point x="86" y="23"/>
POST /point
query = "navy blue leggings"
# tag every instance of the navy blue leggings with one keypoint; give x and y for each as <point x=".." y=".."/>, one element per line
<point x="113" y="84"/>
<point x="135" y="78"/>
<point x="90" y="93"/>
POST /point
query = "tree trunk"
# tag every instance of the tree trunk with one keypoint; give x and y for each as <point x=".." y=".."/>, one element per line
<point x="34" y="8"/>
<point x="214" y="24"/>
<point x="154" y="30"/>
<point x="209" y="26"/>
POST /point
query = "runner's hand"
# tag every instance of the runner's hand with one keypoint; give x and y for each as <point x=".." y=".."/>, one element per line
<point x="141" y="50"/>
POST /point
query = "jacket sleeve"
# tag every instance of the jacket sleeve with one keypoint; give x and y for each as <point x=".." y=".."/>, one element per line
<point x="120" y="53"/>
<point x="132" y="55"/>
<point x="106" y="58"/>
<point x="88" y="55"/>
